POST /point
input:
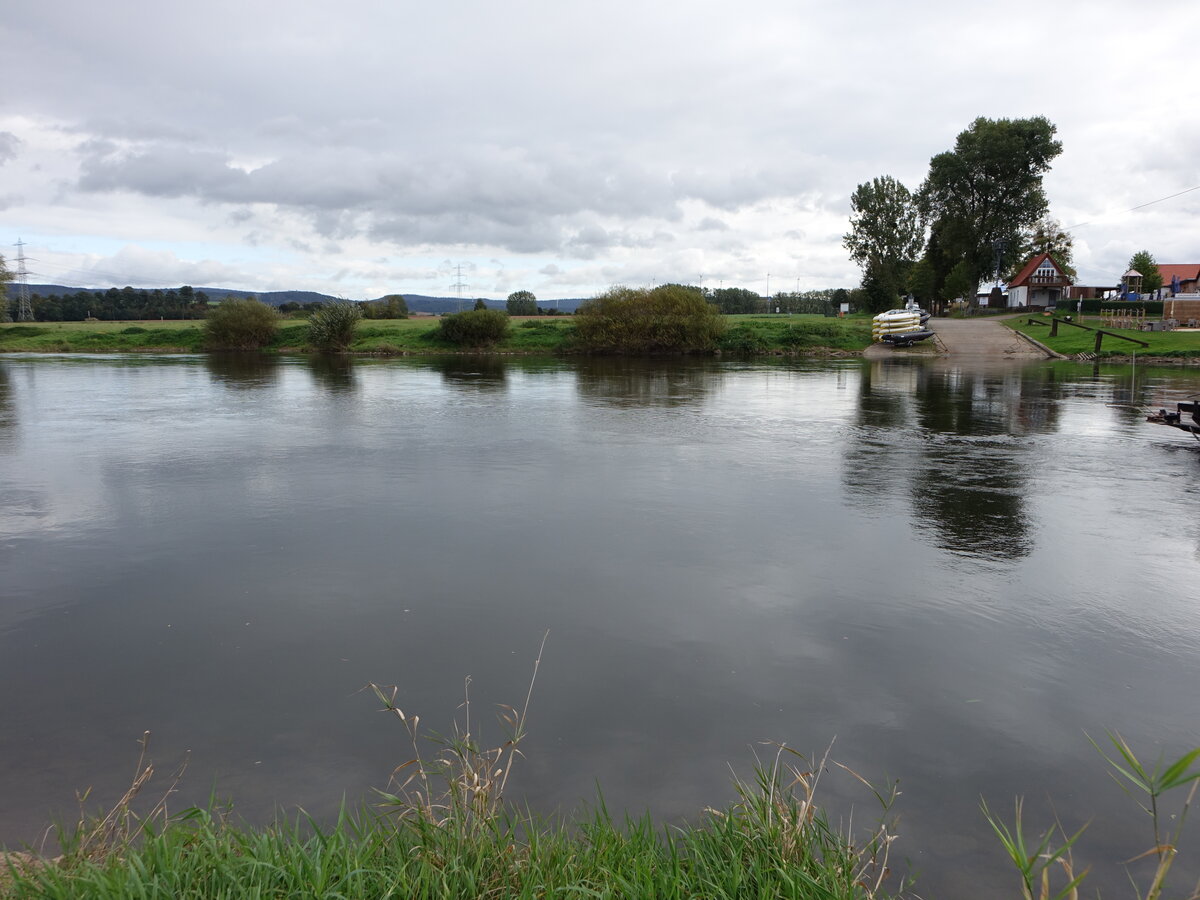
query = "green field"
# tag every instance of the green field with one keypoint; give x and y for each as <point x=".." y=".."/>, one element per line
<point x="1072" y="341"/>
<point x="747" y="335"/>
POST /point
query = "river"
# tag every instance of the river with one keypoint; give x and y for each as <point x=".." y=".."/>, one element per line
<point x="952" y="574"/>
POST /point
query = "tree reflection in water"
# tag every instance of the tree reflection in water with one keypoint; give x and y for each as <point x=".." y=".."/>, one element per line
<point x="954" y="441"/>
<point x="645" y="382"/>
<point x="243" y="371"/>
<point x="333" y="371"/>
<point x="472" y="372"/>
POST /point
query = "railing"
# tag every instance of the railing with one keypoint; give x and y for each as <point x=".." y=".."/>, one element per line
<point x="1100" y="334"/>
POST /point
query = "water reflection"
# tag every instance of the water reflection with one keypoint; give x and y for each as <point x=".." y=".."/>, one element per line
<point x="949" y="439"/>
<point x="243" y="371"/>
<point x="644" y="383"/>
<point x="8" y="416"/>
<point x="970" y="497"/>
<point x="472" y="372"/>
<point x="333" y="371"/>
<point x="793" y="550"/>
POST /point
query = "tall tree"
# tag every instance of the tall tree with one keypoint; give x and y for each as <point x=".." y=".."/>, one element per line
<point x="1144" y="262"/>
<point x="885" y="237"/>
<point x="1046" y="236"/>
<point x="521" y="303"/>
<point x="988" y="188"/>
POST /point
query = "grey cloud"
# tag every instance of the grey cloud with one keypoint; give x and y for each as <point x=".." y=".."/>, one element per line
<point x="487" y="196"/>
<point x="9" y="143"/>
<point x="158" y="172"/>
<point x="708" y="223"/>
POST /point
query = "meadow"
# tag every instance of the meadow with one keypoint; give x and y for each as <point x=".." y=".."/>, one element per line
<point x="1179" y="344"/>
<point x="537" y="335"/>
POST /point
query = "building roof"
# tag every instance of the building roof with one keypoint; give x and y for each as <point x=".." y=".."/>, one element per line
<point x="1032" y="266"/>
<point x="1185" y="271"/>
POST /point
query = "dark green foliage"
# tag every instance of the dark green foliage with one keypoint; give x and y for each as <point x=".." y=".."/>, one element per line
<point x="124" y="304"/>
<point x="331" y="327"/>
<point x="241" y="324"/>
<point x="988" y="188"/>
<point x="474" y="328"/>
<point x="886" y="236"/>
<point x="521" y="303"/>
<point x="665" y="319"/>
<point x="1144" y="262"/>
<point x="733" y="300"/>
<point x="744" y="340"/>
<point x="480" y="304"/>
<point x="1046" y="236"/>
<point x="393" y="306"/>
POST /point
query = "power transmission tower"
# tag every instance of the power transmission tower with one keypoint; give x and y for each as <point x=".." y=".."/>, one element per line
<point x="24" y="307"/>
<point x="459" y="284"/>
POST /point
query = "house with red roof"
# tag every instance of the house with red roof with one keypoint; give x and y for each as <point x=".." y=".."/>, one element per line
<point x="1188" y="275"/>
<point x="1041" y="282"/>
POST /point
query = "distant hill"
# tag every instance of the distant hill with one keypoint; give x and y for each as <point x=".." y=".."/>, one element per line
<point x="416" y="302"/>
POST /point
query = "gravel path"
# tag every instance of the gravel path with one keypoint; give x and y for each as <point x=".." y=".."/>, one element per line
<point x="980" y="338"/>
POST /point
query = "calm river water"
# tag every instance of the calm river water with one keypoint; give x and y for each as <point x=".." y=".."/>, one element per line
<point x="955" y="573"/>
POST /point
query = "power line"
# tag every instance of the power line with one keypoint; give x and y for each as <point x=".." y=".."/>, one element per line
<point x="459" y="284"/>
<point x="1139" y="206"/>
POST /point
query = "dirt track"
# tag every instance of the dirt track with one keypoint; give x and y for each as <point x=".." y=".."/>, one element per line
<point x="987" y="339"/>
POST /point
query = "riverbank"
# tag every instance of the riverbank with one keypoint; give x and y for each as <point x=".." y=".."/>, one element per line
<point x="445" y="833"/>
<point x="541" y="335"/>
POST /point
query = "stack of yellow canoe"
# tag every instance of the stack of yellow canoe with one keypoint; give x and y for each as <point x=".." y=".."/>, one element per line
<point x="895" y="321"/>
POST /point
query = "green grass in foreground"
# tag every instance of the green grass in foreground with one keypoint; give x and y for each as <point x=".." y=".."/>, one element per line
<point x="362" y="855"/>
<point x="745" y="335"/>
<point x="1071" y="341"/>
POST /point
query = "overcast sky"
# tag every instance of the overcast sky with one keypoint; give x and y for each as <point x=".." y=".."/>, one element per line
<point x="363" y="148"/>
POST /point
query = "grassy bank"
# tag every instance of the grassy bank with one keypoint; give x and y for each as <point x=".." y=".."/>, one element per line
<point x="730" y="855"/>
<point x="547" y="335"/>
<point x="1168" y="345"/>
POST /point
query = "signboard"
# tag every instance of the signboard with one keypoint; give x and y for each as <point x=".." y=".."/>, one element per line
<point x="845" y="308"/>
<point x="983" y="301"/>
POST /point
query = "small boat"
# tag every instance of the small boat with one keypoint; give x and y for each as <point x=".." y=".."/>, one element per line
<point x="906" y="338"/>
<point x="1176" y="419"/>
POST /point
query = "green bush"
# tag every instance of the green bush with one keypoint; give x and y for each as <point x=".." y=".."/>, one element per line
<point x="332" y="326"/>
<point x="666" y="319"/>
<point x="474" y="328"/>
<point x="240" y="324"/>
<point x="743" y="339"/>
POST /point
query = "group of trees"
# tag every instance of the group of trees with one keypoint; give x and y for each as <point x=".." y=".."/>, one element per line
<point x="981" y="200"/>
<point x="393" y="306"/>
<point x="121" y="304"/>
